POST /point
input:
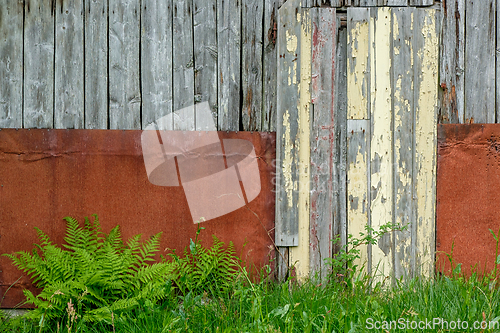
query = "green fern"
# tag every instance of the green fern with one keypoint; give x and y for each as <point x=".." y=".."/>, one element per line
<point x="203" y="270"/>
<point x="96" y="271"/>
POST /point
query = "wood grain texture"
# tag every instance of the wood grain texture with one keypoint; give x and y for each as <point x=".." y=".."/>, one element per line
<point x="397" y="2"/>
<point x="420" y="3"/>
<point x="480" y="59"/>
<point x="381" y="181"/>
<point x="124" y="79"/>
<point x="69" y="66"/>
<point x="340" y="123"/>
<point x="38" y="64"/>
<point x="452" y="62"/>
<point x="183" y="64"/>
<point x="358" y="63"/>
<point x="426" y="44"/>
<point x="205" y="58"/>
<point x="251" y="71"/>
<point x="270" y="63"/>
<point x="11" y="64"/>
<point x="96" y="64"/>
<point x="287" y="170"/>
<point x="156" y="61"/>
<point x="403" y="110"/>
<point x="358" y="196"/>
<point x="323" y="143"/>
<point x="228" y="64"/>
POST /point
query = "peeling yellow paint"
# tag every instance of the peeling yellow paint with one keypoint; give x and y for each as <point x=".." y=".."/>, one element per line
<point x="425" y="131"/>
<point x="357" y="69"/>
<point x="381" y="141"/>
<point x="291" y="42"/>
<point x="299" y="255"/>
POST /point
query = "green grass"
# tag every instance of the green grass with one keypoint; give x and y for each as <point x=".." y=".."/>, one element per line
<point x="289" y="307"/>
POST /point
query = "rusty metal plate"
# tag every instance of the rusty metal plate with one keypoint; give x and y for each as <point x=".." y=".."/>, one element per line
<point x="46" y="175"/>
<point x="468" y="195"/>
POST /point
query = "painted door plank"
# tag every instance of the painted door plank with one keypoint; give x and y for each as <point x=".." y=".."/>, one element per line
<point x="480" y="59"/>
<point x="11" y="64"/>
<point x="124" y="45"/>
<point x="358" y="62"/>
<point x="426" y="48"/>
<point x="183" y="65"/>
<point x="402" y="80"/>
<point x="96" y="64"/>
<point x="452" y="62"/>
<point x="252" y="34"/>
<point x="323" y="148"/>
<point x="156" y="61"/>
<point x="38" y="49"/>
<point x="270" y="63"/>
<point x="358" y="196"/>
<point x="228" y="60"/>
<point x="69" y="65"/>
<point x="381" y="180"/>
<point x="287" y="170"/>
<point x="205" y="59"/>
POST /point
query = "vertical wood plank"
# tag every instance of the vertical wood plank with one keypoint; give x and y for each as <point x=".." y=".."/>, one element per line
<point x="96" y="64"/>
<point x="452" y="64"/>
<point x="358" y="196"/>
<point x="299" y="255"/>
<point x="39" y="64"/>
<point x="69" y="65"/>
<point x="381" y="140"/>
<point x="340" y="122"/>
<point x="124" y="80"/>
<point x="402" y="81"/>
<point x="323" y="148"/>
<point x="205" y="58"/>
<point x="287" y="169"/>
<point x="183" y="55"/>
<point x="426" y="45"/>
<point x="480" y="59"/>
<point x="282" y="263"/>
<point x="11" y="64"/>
<point x="270" y="63"/>
<point x="358" y="72"/>
<point x="397" y="2"/>
<point x="228" y="64"/>
<point x="252" y="40"/>
<point x="420" y="3"/>
<point x="156" y="61"/>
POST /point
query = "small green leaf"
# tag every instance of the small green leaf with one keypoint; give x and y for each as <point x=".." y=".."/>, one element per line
<point x="498" y="260"/>
<point x="494" y="236"/>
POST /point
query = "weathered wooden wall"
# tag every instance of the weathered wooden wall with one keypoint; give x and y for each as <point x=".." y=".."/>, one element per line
<point x="113" y="64"/>
<point x="357" y="116"/>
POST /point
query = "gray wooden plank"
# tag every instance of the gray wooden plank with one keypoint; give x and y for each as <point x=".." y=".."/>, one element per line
<point x="38" y="64"/>
<point x="11" y="64"/>
<point x="340" y="161"/>
<point x="322" y="142"/>
<point x="282" y="264"/>
<point x="156" y="61"/>
<point x="124" y="80"/>
<point x="96" y="64"/>
<point x="497" y="119"/>
<point x="270" y="63"/>
<point x="369" y="3"/>
<point x="397" y="2"/>
<point x="452" y="65"/>
<point x="251" y="71"/>
<point x="420" y="3"/>
<point x="228" y="63"/>
<point x="287" y="175"/>
<point x="69" y="65"/>
<point x="205" y="56"/>
<point x="402" y="78"/>
<point x="480" y="59"/>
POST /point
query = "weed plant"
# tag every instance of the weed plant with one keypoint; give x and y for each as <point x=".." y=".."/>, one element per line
<point x="348" y="303"/>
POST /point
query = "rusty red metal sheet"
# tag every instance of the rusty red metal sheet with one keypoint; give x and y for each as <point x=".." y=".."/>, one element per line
<point x="468" y="195"/>
<point x="46" y="175"/>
